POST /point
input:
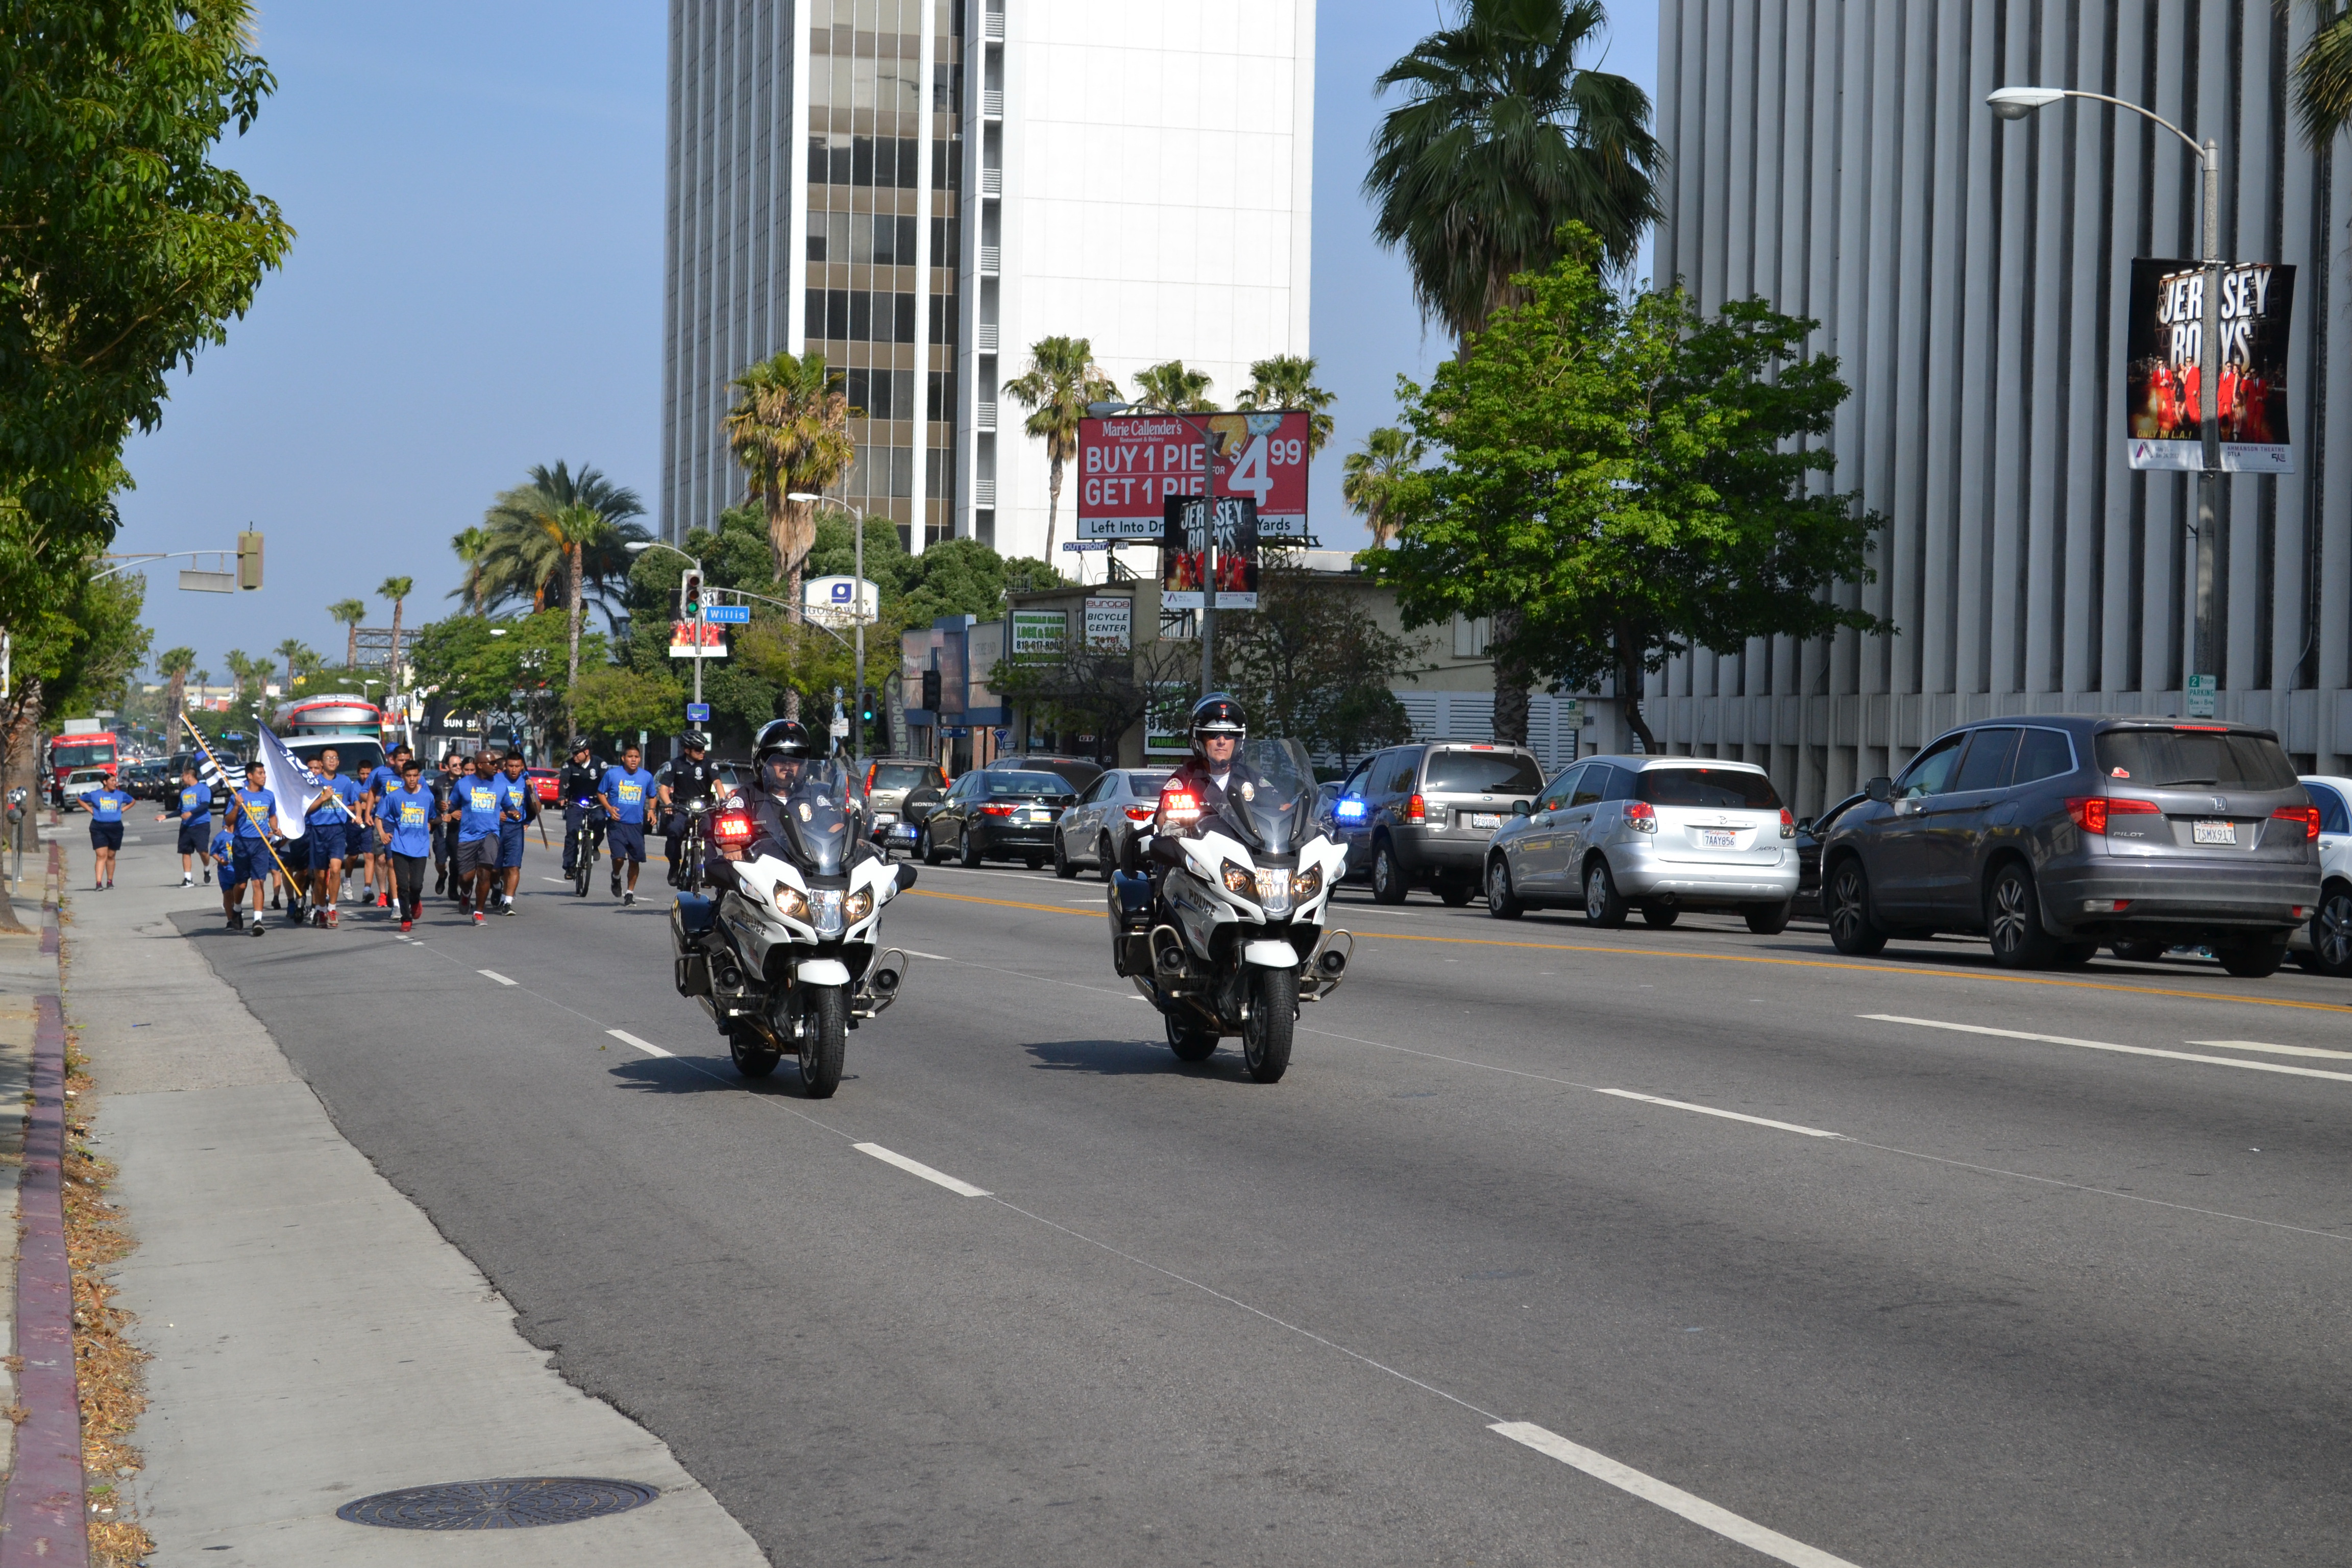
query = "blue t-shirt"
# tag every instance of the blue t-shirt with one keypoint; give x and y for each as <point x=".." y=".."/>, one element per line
<point x="195" y="804"/>
<point x="222" y="845"/>
<point x="381" y="779"/>
<point x="407" y="819"/>
<point x="107" y="804"/>
<point x="256" y="813"/>
<point x="515" y="796"/>
<point x="478" y="800"/>
<point x="628" y="792"/>
<point x="347" y="793"/>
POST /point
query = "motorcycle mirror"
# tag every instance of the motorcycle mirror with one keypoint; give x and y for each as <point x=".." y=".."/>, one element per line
<point x="1521" y="808"/>
<point x="1880" y="788"/>
<point x="906" y="875"/>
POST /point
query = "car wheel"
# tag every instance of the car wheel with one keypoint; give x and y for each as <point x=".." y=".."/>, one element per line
<point x="969" y="858"/>
<point x="2331" y="933"/>
<point x="1388" y="877"/>
<point x="925" y="849"/>
<point x="2013" y="920"/>
<point x="2074" y="954"/>
<point x="2252" y="960"/>
<point x="1846" y="903"/>
<point x="1063" y="867"/>
<point x="1502" y="902"/>
<point x="1602" y="906"/>
<point x="1454" y="895"/>
<point x="1658" y="917"/>
<point x="2139" y="949"/>
<point x="1106" y="858"/>
<point x="1035" y="862"/>
<point x="1767" y="920"/>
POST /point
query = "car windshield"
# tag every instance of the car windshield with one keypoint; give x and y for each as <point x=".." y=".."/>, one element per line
<point x="1481" y="772"/>
<point x="1076" y="773"/>
<point x="1725" y="788"/>
<point x="1027" y="786"/>
<point x="2212" y="759"/>
<point x="82" y="755"/>
<point x="904" y="775"/>
<point x="816" y="818"/>
<point x="1270" y="795"/>
<point x="354" y="759"/>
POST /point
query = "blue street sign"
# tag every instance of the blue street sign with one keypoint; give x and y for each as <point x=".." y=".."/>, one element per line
<point x="698" y="712"/>
<point x="728" y="614"/>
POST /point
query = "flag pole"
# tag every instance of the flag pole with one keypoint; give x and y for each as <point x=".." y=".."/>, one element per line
<point x="207" y="750"/>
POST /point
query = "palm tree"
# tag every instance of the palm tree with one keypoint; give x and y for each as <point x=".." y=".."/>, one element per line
<point x="2323" y="77"/>
<point x="1501" y="141"/>
<point x="1370" y="475"/>
<point x="521" y="560"/>
<point x="790" y="430"/>
<point x="470" y="546"/>
<point x="174" y="664"/>
<point x="292" y="650"/>
<point x="1287" y="381"/>
<point x="1172" y="389"/>
<point x="395" y="589"/>
<point x="350" y="612"/>
<point x="1061" y="380"/>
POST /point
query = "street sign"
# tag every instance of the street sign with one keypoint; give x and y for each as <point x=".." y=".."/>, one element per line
<point x="698" y="712"/>
<point x="2202" y="692"/>
<point x="209" y="582"/>
<point x="727" y="614"/>
<point x="1129" y="465"/>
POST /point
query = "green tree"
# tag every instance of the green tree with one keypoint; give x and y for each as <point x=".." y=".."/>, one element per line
<point x="2323" y="76"/>
<point x="470" y="546"/>
<point x="1170" y="388"/>
<point x="617" y="702"/>
<point x="174" y="664"/>
<point x="530" y="555"/>
<point x="1312" y="664"/>
<point x="397" y="590"/>
<point x="351" y="613"/>
<point x="790" y="430"/>
<point x="1287" y="381"/>
<point x="1633" y="479"/>
<point x="1369" y="476"/>
<point x="293" y="650"/>
<point x="1061" y="380"/>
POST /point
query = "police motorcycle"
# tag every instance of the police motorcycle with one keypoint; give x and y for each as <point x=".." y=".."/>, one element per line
<point x="787" y="958"/>
<point x="1234" y="939"/>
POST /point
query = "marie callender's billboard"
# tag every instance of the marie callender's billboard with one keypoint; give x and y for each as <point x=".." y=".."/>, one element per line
<point x="2163" y="398"/>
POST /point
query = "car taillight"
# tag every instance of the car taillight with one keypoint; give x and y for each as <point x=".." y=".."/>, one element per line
<point x="1139" y="814"/>
<point x="2091" y="812"/>
<point x="732" y="827"/>
<point x="870" y="768"/>
<point x="995" y="808"/>
<point x="1416" y="809"/>
<point x="1788" y="823"/>
<point x="1640" y="816"/>
<point x="2306" y="814"/>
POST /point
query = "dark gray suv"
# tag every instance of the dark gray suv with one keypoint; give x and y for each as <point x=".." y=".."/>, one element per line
<point x="1420" y="815"/>
<point x="2055" y="836"/>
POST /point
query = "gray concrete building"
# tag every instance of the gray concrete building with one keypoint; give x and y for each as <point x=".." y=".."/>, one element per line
<point x="1837" y="157"/>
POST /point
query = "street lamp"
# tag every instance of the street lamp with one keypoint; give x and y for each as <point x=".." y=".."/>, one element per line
<point x="1207" y="537"/>
<point x="857" y="596"/>
<point x="2016" y="103"/>
<point x="638" y="547"/>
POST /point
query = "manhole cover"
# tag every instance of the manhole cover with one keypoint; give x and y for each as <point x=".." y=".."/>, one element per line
<point x="516" y="1503"/>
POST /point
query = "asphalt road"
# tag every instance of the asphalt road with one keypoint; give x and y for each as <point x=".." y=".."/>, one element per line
<point x="1852" y="1280"/>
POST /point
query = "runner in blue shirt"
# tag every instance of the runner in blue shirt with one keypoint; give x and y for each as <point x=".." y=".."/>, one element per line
<point x="476" y="804"/>
<point x="106" y="808"/>
<point x="195" y="808"/>
<point x="627" y="791"/>
<point x="518" y="806"/>
<point x="332" y="813"/>
<point x="381" y="779"/>
<point x="222" y="854"/>
<point x="254" y="810"/>
<point x="405" y="816"/>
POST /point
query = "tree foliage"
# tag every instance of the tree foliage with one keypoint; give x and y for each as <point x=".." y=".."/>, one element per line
<point x="1170" y="388"/>
<point x="1287" y="381"/>
<point x="790" y="430"/>
<point x="557" y="538"/>
<point x="617" y="702"/>
<point x="2323" y="76"/>
<point x="1060" y="381"/>
<point x="1632" y="480"/>
<point x="1369" y="476"/>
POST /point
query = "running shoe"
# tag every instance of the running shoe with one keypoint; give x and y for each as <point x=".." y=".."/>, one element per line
<point x="187" y="880"/>
<point x="383" y="901"/>
<point x="630" y="897"/>
<point x="235" y="923"/>
<point x="405" y="924"/>
<point x="478" y="917"/>
<point x="257" y="925"/>
<point x="208" y="876"/>
<point x="506" y="907"/>
<point x="334" y="917"/>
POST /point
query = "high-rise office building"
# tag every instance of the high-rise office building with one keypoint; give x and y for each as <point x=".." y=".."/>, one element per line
<point x="923" y="188"/>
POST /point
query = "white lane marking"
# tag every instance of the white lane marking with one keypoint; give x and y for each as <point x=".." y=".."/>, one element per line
<point x="1729" y="1115"/>
<point x="2106" y="1045"/>
<point x="559" y="881"/>
<point x="918" y="952"/>
<point x="1673" y="1499"/>
<point x="917" y="1168"/>
<point x="494" y="974"/>
<point x="647" y="1047"/>
<point x="2275" y="1051"/>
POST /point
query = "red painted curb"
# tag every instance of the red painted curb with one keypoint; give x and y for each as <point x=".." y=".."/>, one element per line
<point x="44" y="1517"/>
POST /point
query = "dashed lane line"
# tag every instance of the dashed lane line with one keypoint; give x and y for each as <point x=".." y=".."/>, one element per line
<point x="2275" y="1051"/>
<point x="917" y="1168"/>
<point x="647" y="1047"/>
<point x="1728" y="1115"/>
<point x="2238" y="1062"/>
<point x="494" y="974"/>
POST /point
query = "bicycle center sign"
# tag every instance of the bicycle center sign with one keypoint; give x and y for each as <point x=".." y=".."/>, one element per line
<point x="1129" y="466"/>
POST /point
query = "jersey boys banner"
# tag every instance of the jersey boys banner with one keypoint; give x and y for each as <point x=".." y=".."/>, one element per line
<point x="2163" y="396"/>
<point x="1184" y="562"/>
<point x="1128" y="467"/>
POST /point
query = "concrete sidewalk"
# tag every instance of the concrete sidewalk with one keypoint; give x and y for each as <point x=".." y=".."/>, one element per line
<point x="315" y="1338"/>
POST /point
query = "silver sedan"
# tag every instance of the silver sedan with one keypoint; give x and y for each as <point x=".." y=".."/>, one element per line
<point x="1096" y="828"/>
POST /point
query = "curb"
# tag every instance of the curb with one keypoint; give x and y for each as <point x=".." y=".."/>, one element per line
<point x="44" y="1514"/>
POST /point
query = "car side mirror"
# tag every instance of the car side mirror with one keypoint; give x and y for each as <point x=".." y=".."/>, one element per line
<point x="906" y="875"/>
<point x="1805" y="825"/>
<point x="1880" y="789"/>
<point x="1521" y="808"/>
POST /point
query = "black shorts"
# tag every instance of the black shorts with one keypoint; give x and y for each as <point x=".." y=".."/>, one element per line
<point x="106" y="836"/>
<point x="195" y="837"/>
<point x="476" y="855"/>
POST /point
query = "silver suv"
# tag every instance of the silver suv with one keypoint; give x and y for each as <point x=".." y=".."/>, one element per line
<point x="1420" y="815"/>
<point x="2055" y="836"/>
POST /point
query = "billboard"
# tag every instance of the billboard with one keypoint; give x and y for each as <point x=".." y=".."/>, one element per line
<point x="2163" y="396"/>
<point x="839" y="601"/>
<point x="1039" y="634"/>
<point x="1185" y="557"/>
<point x="1130" y="465"/>
<point x="1110" y="621"/>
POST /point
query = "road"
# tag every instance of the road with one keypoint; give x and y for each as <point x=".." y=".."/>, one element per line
<point x="1853" y="1283"/>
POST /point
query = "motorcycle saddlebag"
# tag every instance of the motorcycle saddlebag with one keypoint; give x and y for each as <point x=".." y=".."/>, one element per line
<point x="1134" y="896"/>
<point x="693" y="915"/>
<point x="691" y="918"/>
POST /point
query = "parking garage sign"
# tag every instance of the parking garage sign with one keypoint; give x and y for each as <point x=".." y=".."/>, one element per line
<point x="1129" y="465"/>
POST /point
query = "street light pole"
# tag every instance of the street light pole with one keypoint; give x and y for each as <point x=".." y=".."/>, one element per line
<point x="2016" y="103"/>
<point x="857" y="601"/>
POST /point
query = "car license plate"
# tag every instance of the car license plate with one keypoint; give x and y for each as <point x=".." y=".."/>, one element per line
<point x="883" y="819"/>
<point x="2214" y="832"/>
<point x="1486" y="819"/>
<point x="1719" y="838"/>
<point x="903" y="830"/>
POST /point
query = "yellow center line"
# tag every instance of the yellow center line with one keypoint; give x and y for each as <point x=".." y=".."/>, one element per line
<point x="1006" y="903"/>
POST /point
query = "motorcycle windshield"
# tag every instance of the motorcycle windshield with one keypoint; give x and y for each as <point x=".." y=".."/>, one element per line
<point x="816" y="820"/>
<point x="1271" y="795"/>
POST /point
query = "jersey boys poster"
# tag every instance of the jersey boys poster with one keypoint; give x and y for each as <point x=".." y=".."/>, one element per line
<point x="2163" y="398"/>
<point x="1185" y="557"/>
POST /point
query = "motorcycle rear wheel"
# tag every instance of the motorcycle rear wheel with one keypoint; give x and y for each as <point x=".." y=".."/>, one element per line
<point x="1273" y="1015"/>
<point x="824" y="1040"/>
<point x="1190" y="1044"/>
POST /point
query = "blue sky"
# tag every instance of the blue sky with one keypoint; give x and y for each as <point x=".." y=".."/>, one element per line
<point x="476" y="287"/>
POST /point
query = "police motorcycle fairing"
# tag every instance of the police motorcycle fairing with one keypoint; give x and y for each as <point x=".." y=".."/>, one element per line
<point x="787" y="959"/>
<point x="1234" y="938"/>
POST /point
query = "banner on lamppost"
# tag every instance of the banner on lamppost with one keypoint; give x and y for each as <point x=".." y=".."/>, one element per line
<point x="2164" y="350"/>
<point x="683" y="635"/>
<point x="1185" y="554"/>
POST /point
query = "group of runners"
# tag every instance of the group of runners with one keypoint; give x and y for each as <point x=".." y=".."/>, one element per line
<point x="467" y="819"/>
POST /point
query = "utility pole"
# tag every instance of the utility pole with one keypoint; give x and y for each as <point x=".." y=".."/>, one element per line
<point x="2209" y="394"/>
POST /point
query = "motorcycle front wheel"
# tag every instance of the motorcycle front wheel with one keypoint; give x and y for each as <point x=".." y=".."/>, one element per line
<point x="825" y="1039"/>
<point x="1273" y="1015"/>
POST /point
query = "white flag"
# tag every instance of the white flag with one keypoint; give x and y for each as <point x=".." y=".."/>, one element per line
<point x="292" y="785"/>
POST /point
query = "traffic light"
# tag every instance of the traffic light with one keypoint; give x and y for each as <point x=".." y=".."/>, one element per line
<point x="248" y="558"/>
<point x="689" y="594"/>
<point x="932" y="690"/>
<point x="865" y="705"/>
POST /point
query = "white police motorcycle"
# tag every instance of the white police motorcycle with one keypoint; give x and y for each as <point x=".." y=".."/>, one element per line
<point x="788" y="960"/>
<point x="1235" y="941"/>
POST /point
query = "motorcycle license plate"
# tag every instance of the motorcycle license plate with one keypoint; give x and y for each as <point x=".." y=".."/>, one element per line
<point x="1486" y="819"/>
<point x="2215" y="833"/>
<point x="1719" y="838"/>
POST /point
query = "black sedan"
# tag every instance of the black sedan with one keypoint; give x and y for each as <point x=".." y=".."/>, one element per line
<point x="996" y="815"/>
<point x="1810" y="833"/>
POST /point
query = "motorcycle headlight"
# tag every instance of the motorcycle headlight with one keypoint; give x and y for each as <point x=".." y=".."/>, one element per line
<point x="1238" y="879"/>
<point x="792" y="902"/>
<point x="860" y="905"/>
<point x="1307" y="884"/>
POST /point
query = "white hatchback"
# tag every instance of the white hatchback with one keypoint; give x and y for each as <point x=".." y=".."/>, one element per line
<point x="2323" y="944"/>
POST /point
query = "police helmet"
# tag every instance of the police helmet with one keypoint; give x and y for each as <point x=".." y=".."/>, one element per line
<point x="1218" y="714"/>
<point x="785" y="735"/>
<point x="694" y="740"/>
<point x="579" y="743"/>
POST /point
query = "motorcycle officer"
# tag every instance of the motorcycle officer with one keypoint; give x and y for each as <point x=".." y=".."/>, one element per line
<point x="1208" y="778"/>
<point x="693" y="776"/>
<point x="779" y="753"/>
<point x="577" y="786"/>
